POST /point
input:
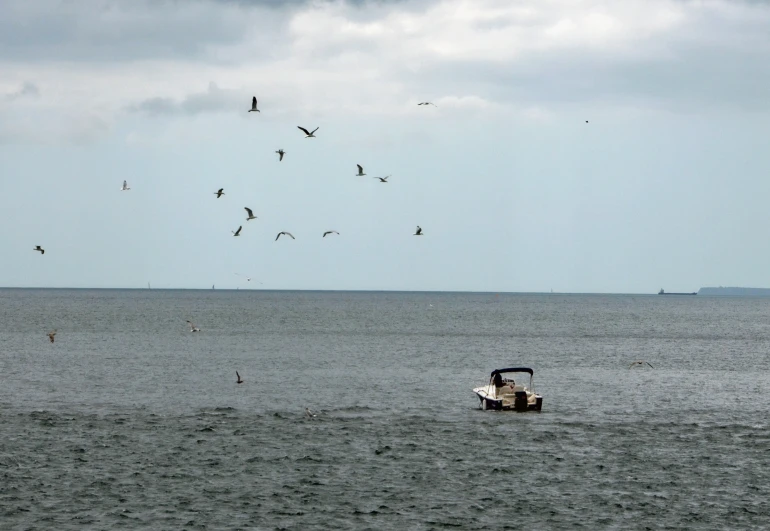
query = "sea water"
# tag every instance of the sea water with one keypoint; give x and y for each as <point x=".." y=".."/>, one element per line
<point x="130" y="421"/>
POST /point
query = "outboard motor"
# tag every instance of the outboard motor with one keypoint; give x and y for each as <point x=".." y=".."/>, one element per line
<point x="520" y="404"/>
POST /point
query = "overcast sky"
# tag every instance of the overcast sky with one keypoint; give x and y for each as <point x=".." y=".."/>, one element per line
<point x="667" y="185"/>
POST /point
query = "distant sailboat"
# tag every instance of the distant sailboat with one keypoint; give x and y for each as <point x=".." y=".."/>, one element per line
<point x="148" y="286"/>
<point x="212" y="286"/>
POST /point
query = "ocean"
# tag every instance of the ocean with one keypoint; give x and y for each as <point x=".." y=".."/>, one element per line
<point x="130" y="421"/>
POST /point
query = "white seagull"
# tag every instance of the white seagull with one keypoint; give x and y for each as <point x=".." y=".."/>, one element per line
<point x="310" y="414"/>
<point x="286" y="233"/>
<point x="281" y="153"/>
<point x="640" y="362"/>
<point x="310" y="134"/>
<point x="329" y="232"/>
<point x="383" y="179"/>
<point x="250" y="213"/>
<point x="254" y="105"/>
<point x="125" y="187"/>
<point x="360" y="171"/>
<point x="193" y="328"/>
<point x="248" y="279"/>
<point x="419" y="231"/>
<point x="237" y="232"/>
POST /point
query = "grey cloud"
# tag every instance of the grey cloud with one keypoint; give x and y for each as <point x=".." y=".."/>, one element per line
<point x="102" y="30"/>
<point x="215" y="99"/>
<point x="27" y="90"/>
<point x="125" y="30"/>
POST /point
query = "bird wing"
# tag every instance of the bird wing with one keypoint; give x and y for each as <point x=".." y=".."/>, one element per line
<point x="325" y="233"/>
<point x="360" y="169"/>
<point x="289" y="234"/>
<point x="648" y="363"/>
<point x="254" y="102"/>
<point x="279" y="235"/>
<point x="305" y="130"/>
<point x="249" y="211"/>
<point x="239" y="230"/>
<point x="280" y="156"/>
<point x="238" y="375"/>
<point x="314" y="130"/>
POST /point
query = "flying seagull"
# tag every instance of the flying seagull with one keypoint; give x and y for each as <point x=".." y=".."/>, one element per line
<point x="248" y="279"/>
<point x="238" y="381"/>
<point x="329" y="232"/>
<point x="360" y="171"/>
<point x="310" y="134"/>
<point x="237" y="232"/>
<point x="286" y="233"/>
<point x="38" y="248"/>
<point x="419" y="231"/>
<point x="193" y="328"/>
<point x="427" y="103"/>
<point x="254" y="105"/>
<point x="310" y="414"/>
<point x="640" y="362"/>
<point x="125" y="187"/>
<point x="219" y="193"/>
<point x="51" y="335"/>
<point x="383" y="179"/>
<point x="281" y="153"/>
<point x="251" y="214"/>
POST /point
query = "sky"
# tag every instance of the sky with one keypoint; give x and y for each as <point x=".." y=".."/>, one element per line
<point x="576" y="146"/>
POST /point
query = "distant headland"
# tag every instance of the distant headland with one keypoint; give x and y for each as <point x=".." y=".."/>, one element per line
<point x="735" y="292"/>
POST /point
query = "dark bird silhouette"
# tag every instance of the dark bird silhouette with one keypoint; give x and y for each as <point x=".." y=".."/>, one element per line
<point x="219" y="193"/>
<point x="419" y="231"/>
<point x="310" y="134"/>
<point x="239" y="380"/>
<point x="38" y="248"/>
<point x="286" y="233"/>
<point x="51" y="336"/>
<point x="250" y="213"/>
<point x="640" y="362"/>
<point x="237" y="232"/>
<point x="281" y="153"/>
<point x="383" y="179"/>
<point x="360" y="171"/>
<point x="329" y="232"/>
<point x="254" y="105"/>
<point x="427" y="103"/>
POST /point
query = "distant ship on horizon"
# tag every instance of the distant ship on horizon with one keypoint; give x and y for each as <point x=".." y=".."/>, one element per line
<point x="662" y="292"/>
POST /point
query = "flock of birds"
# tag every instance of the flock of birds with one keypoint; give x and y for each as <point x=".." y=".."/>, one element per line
<point x="281" y="153"/>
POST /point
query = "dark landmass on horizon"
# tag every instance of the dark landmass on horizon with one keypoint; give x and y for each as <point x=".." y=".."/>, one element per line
<point x="735" y="292"/>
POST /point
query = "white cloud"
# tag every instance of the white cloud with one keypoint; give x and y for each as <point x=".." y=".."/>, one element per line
<point x="379" y="58"/>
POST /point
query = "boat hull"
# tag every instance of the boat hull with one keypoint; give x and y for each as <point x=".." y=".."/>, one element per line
<point x="521" y="403"/>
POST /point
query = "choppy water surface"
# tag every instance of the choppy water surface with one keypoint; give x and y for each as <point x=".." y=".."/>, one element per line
<point x="130" y="421"/>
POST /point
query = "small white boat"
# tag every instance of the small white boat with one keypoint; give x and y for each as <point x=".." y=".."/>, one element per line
<point x="505" y="394"/>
